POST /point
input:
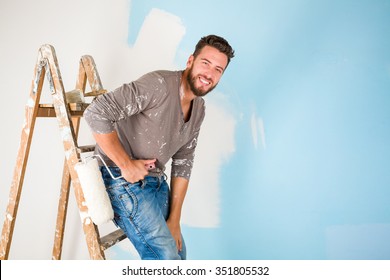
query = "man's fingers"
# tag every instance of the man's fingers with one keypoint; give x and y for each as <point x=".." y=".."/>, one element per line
<point x="149" y="164"/>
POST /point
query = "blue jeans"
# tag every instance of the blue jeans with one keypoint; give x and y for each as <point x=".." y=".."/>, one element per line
<point x="141" y="210"/>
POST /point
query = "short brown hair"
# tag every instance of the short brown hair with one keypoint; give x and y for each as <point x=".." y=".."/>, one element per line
<point x="216" y="42"/>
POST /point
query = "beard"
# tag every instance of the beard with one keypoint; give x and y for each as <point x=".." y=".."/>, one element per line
<point x="191" y="79"/>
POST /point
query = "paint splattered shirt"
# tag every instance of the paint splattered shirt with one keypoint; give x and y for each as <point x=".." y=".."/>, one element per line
<point x="148" y="118"/>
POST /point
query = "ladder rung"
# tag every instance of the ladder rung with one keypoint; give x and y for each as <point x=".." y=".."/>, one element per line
<point x="48" y="111"/>
<point x="111" y="239"/>
<point x="77" y="93"/>
<point x="86" y="149"/>
<point x="95" y="93"/>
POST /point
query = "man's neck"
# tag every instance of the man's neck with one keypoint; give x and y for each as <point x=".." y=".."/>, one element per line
<point x="186" y="97"/>
<point x="186" y="94"/>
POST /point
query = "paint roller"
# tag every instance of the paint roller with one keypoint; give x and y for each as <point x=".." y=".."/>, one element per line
<point x="95" y="194"/>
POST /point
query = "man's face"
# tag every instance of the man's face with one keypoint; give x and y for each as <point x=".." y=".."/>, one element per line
<point x="205" y="70"/>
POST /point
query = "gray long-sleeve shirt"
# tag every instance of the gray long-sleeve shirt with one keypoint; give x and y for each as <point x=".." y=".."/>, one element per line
<point x="148" y="118"/>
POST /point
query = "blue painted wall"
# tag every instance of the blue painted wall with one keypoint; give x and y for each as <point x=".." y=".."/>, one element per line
<point x="317" y="74"/>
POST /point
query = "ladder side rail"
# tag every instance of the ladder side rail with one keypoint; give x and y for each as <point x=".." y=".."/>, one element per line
<point x="87" y="68"/>
<point x="66" y="179"/>
<point x="70" y="146"/>
<point x="92" y="74"/>
<point x="81" y="82"/>
<point x="63" y="204"/>
<point x="31" y="111"/>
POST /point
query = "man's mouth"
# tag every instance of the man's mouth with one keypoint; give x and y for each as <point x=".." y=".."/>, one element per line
<point x="204" y="81"/>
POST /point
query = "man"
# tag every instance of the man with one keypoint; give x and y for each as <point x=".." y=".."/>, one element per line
<point x="138" y="128"/>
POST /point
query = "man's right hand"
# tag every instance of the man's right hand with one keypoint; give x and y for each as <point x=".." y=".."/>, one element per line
<point x="136" y="170"/>
<point x="133" y="170"/>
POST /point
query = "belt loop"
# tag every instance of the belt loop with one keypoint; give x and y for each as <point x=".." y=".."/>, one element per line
<point x="160" y="179"/>
<point x="143" y="183"/>
<point x="165" y="177"/>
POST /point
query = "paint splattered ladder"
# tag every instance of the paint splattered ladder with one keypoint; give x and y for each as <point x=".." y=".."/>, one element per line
<point x="68" y="108"/>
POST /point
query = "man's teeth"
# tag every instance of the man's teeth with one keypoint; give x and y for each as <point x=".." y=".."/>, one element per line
<point x="204" y="81"/>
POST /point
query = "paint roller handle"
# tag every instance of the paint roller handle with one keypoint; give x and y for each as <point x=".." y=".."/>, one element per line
<point x="148" y="165"/>
<point x="132" y="170"/>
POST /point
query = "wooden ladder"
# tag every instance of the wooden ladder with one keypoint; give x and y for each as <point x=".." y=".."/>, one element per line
<point x="68" y="116"/>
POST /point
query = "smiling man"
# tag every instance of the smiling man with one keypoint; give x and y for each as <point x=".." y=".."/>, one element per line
<point x="138" y="128"/>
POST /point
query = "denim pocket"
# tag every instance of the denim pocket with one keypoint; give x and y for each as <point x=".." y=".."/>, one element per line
<point x="129" y="203"/>
<point x="124" y="199"/>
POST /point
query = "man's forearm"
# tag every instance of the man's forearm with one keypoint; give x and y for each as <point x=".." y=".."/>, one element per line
<point x="179" y="188"/>
<point x="113" y="148"/>
<point x="132" y="170"/>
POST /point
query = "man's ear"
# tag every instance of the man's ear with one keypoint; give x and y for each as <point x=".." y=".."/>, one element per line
<point x="190" y="61"/>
